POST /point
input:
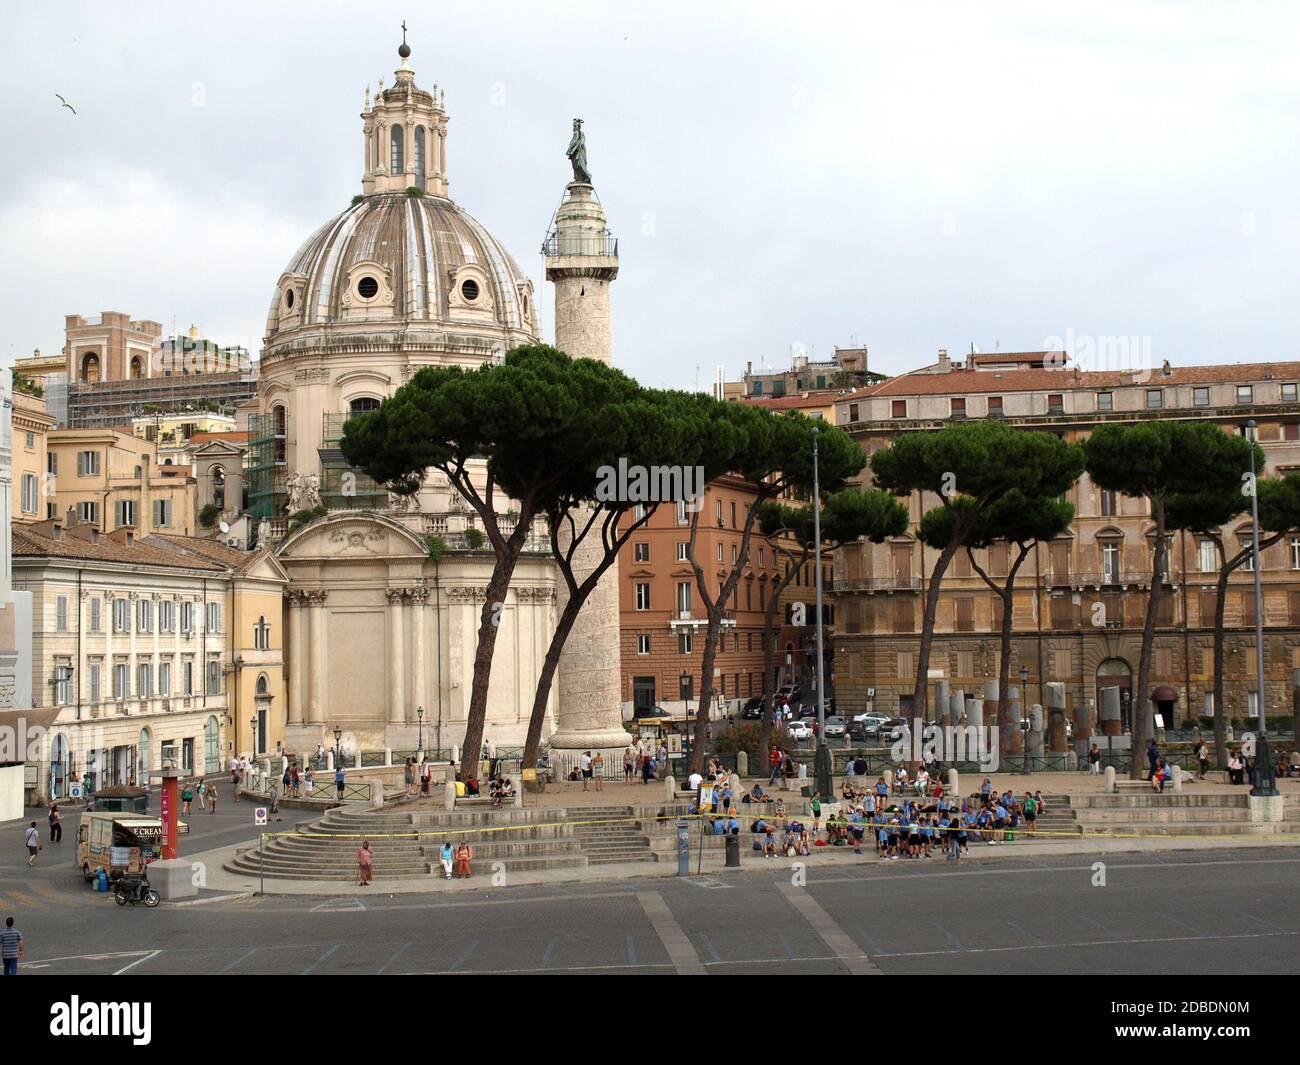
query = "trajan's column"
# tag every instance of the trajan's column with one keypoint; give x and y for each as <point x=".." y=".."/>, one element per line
<point x="582" y="261"/>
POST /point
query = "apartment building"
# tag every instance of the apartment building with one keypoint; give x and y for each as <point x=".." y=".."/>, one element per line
<point x="1080" y="601"/>
<point x="31" y="426"/>
<point x="154" y="650"/>
<point x="113" y="480"/>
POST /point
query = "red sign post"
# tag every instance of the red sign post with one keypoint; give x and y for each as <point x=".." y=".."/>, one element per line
<point x="171" y="833"/>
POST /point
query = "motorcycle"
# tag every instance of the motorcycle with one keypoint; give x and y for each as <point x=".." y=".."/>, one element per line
<point x="135" y="889"/>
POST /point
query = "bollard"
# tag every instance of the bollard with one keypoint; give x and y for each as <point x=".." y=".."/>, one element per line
<point x="731" y="844"/>
<point x="670" y="788"/>
<point x="388" y="756"/>
<point x="683" y="848"/>
<point x="954" y="783"/>
<point x="742" y="763"/>
<point x="1110" y="780"/>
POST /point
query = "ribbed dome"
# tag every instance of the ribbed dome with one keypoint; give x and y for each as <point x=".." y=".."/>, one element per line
<point x="393" y="256"/>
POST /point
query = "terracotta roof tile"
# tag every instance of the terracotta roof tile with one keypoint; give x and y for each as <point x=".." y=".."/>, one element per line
<point x="28" y="544"/>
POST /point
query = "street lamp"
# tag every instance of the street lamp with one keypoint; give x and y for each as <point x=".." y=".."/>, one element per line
<point x="684" y="690"/>
<point x="419" y="717"/>
<point x="252" y="726"/>
<point x="822" y="759"/>
<point x="338" y="735"/>
<point x="1263" y="783"/>
<point x="1024" y="723"/>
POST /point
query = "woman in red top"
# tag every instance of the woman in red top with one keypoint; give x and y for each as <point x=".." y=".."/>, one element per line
<point x="463" y="855"/>
<point x="365" y="863"/>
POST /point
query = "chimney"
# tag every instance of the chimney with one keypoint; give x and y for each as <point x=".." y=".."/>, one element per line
<point x="945" y="365"/>
<point x="1165" y="369"/>
<point x="49" y="528"/>
<point x="123" y="534"/>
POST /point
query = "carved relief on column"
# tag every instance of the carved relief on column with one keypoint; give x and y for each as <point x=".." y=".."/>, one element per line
<point x="317" y="706"/>
<point x="396" y="657"/>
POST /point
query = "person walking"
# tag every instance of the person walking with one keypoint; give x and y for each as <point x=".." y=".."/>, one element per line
<point x="33" y="843"/>
<point x="629" y="758"/>
<point x="11" y="947"/>
<point x="56" y="823"/>
<point x="1202" y="753"/>
<point x="286" y="782"/>
<point x="584" y="766"/>
<point x="365" y="863"/>
<point x="187" y="797"/>
<point x="295" y="781"/>
<point x="212" y="798"/>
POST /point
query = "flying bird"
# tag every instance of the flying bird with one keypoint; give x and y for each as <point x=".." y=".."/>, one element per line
<point x="66" y="104"/>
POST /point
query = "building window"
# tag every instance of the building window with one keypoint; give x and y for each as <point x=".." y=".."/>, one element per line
<point x="1288" y="393"/>
<point x="126" y="513"/>
<point x="187" y="616"/>
<point x="121" y="680"/>
<point x="1155" y="399"/>
<point x="685" y="644"/>
<point x="853" y="412"/>
<point x="29" y="500"/>
<point x="643" y="644"/>
<point x="397" y="157"/>
<point x="1245" y="394"/>
<point x="1200" y="397"/>
<point x="684" y="597"/>
<point x="641" y="552"/>
<point x="94" y="614"/>
<point x="957" y="407"/>
<point x="29" y="440"/>
<point x="1110" y="562"/>
<point x="898" y="408"/>
<point x="419" y="156"/>
<point x="144" y="680"/>
<point x="88" y="512"/>
<point x="143" y="615"/>
<point x="94" y="681"/>
<point x="1108" y="508"/>
<point x="261" y="635"/>
<point x="683" y="547"/>
<point x="1105" y="401"/>
<point x="162" y="513"/>
<point x="187" y="677"/>
<point x="166" y="615"/>
<point x="213" y="677"/>
<point x="214" y="617"/>
<point x="1209" y="557"/>
<point x="164" y="678"/>
<point x="719" y="551"/>
<point x="1295" y="552"/>
<point x="735" y="553"/>
<point x="643" y="596"/>
<point x="87" y="463"/>
<point x="1056" y="403"/>
<point x="995" y="406"/>
<point x="63" y="684"/>
<point x="121" y="615"/>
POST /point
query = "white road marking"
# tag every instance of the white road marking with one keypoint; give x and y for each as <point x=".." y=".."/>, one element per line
<point x="138" y="961"/>
<point x="841" y="943"/>
<point x="683" y="956"/>
<point x="1088" y="943"/>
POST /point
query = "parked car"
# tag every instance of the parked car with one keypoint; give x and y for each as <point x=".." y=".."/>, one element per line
<point x="753" y="709"/>
<point x="790" y="692"/>
<point x="835" y="726"/>
<point x="642" y="712"/>
<point x="800" y="730"/>
<point x="891" y="728"/>
<point x="857" y="730"/>
<point x="878" y="715"/>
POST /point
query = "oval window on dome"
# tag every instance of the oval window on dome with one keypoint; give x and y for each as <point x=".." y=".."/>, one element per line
<point x="367" y="288"/>
<point x="469" y="290"/>
<point x="288" y="298"/>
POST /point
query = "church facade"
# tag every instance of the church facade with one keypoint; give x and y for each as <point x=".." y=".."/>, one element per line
<point x="381" y="636"/>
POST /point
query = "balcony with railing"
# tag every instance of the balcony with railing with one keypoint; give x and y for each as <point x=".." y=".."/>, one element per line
<point x="557" y="245"/>
<point x="896" y="583"/>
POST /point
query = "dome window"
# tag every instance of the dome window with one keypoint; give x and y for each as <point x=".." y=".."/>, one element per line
<point x="367" y="288"/>
<point x="469" y="290"/>
<point x="288" y="298"/>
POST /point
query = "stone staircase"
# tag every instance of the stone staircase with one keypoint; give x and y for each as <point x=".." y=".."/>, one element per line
<point x="1180" y="814"/>
<point x="406" y="843"/>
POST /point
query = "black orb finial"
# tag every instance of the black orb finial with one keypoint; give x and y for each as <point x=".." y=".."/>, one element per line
<point x="404" y="50"/>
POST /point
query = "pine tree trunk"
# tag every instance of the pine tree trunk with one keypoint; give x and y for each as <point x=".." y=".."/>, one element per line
<point x="489" y="624"/>
<point x="921" y="689"/>
<point x="769" y="653"/>
<point x="1141" y="715"/>
<point x="537" y="718"/>
<point x="705" y="702"/>
<point x="1220" y="716"/>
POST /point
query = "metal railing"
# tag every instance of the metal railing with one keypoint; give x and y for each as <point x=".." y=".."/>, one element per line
<point x="605" y="246"/>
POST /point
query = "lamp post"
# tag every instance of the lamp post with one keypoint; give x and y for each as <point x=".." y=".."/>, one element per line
<point x="822" y="759"/>
<point x="338" y="735"/>
<point x="1025" y="723"/>
<point x="252" y="732"/>
<point x="419" y="717"/>
<point x="1263" y="783"/>
<point x="684" y="690"/>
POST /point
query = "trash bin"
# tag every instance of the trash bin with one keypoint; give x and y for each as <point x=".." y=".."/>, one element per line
<point x="732" y="844"/>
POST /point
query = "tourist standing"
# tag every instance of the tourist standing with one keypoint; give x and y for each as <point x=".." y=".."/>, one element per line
<point x="629" y="756"/>
<point x="584" y="765"/>
<point x="33" y="843"/>
<point x="338" y="782"/>
<point x="56" y="823"/>
<point x="1094" y="760"/>
<point x="365" y="863"/>
<point x="212" y="798"/>
<point x="187" y="797"/>
<point x="11" y="947"/>
<point x="309" y="781"/>
<point x="598" y="770"/>
<point x="1153" y="757"/>
<point x="463" y="856"/>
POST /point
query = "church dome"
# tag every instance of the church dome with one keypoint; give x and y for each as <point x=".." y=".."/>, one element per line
<point x="399" y="257"/>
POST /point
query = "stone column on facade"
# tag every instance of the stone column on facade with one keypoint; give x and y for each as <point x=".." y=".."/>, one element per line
<point x="396" y="659"/>
<point x="132" y="671"/>
<point x="1108" y="711"/>
<point x="942" y="700"/>
<point x="1012" y="738"/>
<point x="582" y="263"/>
<point x="294" y="603"/>
<point x="317" y="671"/>
<point x="956" y="708"/>
<point x="419" y="683"/>
<point x="974" y="712"/>
<point x="992" y="708"/>
<point x="1035" y="736"/>
<point x="233" y="502"/>
<point x="1057" y="743"/>
<point x="81" y="682"/>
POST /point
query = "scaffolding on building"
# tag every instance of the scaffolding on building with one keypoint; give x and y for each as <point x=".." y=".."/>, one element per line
<point x="109" y="403"/>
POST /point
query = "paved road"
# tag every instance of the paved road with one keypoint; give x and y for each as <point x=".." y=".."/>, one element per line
<point x="1177" y="912"/>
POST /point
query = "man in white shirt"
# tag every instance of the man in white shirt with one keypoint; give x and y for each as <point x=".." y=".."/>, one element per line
<point x="694" y="781"/>
<point x="584" y="765"/>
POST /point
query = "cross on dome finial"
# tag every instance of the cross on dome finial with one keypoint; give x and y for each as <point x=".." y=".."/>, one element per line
<point x="405" y="49"/>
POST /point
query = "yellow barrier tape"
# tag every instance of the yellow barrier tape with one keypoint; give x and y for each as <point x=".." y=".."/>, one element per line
<point x="1020" y="832"/>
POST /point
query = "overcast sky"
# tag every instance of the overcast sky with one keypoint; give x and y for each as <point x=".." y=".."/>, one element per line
<point x="778" y="174"/>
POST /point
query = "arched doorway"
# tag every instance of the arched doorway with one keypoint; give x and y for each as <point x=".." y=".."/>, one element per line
<point x="211" y="746"/>
<point x="143" y="762"/>
<point x="90" y="369"/>
<point x="1116" y="673"/>
<point x="59" y="766"/>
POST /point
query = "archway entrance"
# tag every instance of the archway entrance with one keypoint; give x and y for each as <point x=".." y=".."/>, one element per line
<point x="1116" y="673"/>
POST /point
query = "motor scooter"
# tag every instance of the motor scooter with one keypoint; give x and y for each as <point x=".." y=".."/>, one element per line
<point x="135" y="888"/>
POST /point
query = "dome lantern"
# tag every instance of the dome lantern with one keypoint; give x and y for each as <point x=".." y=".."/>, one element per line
<point x="405" y="130"/>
